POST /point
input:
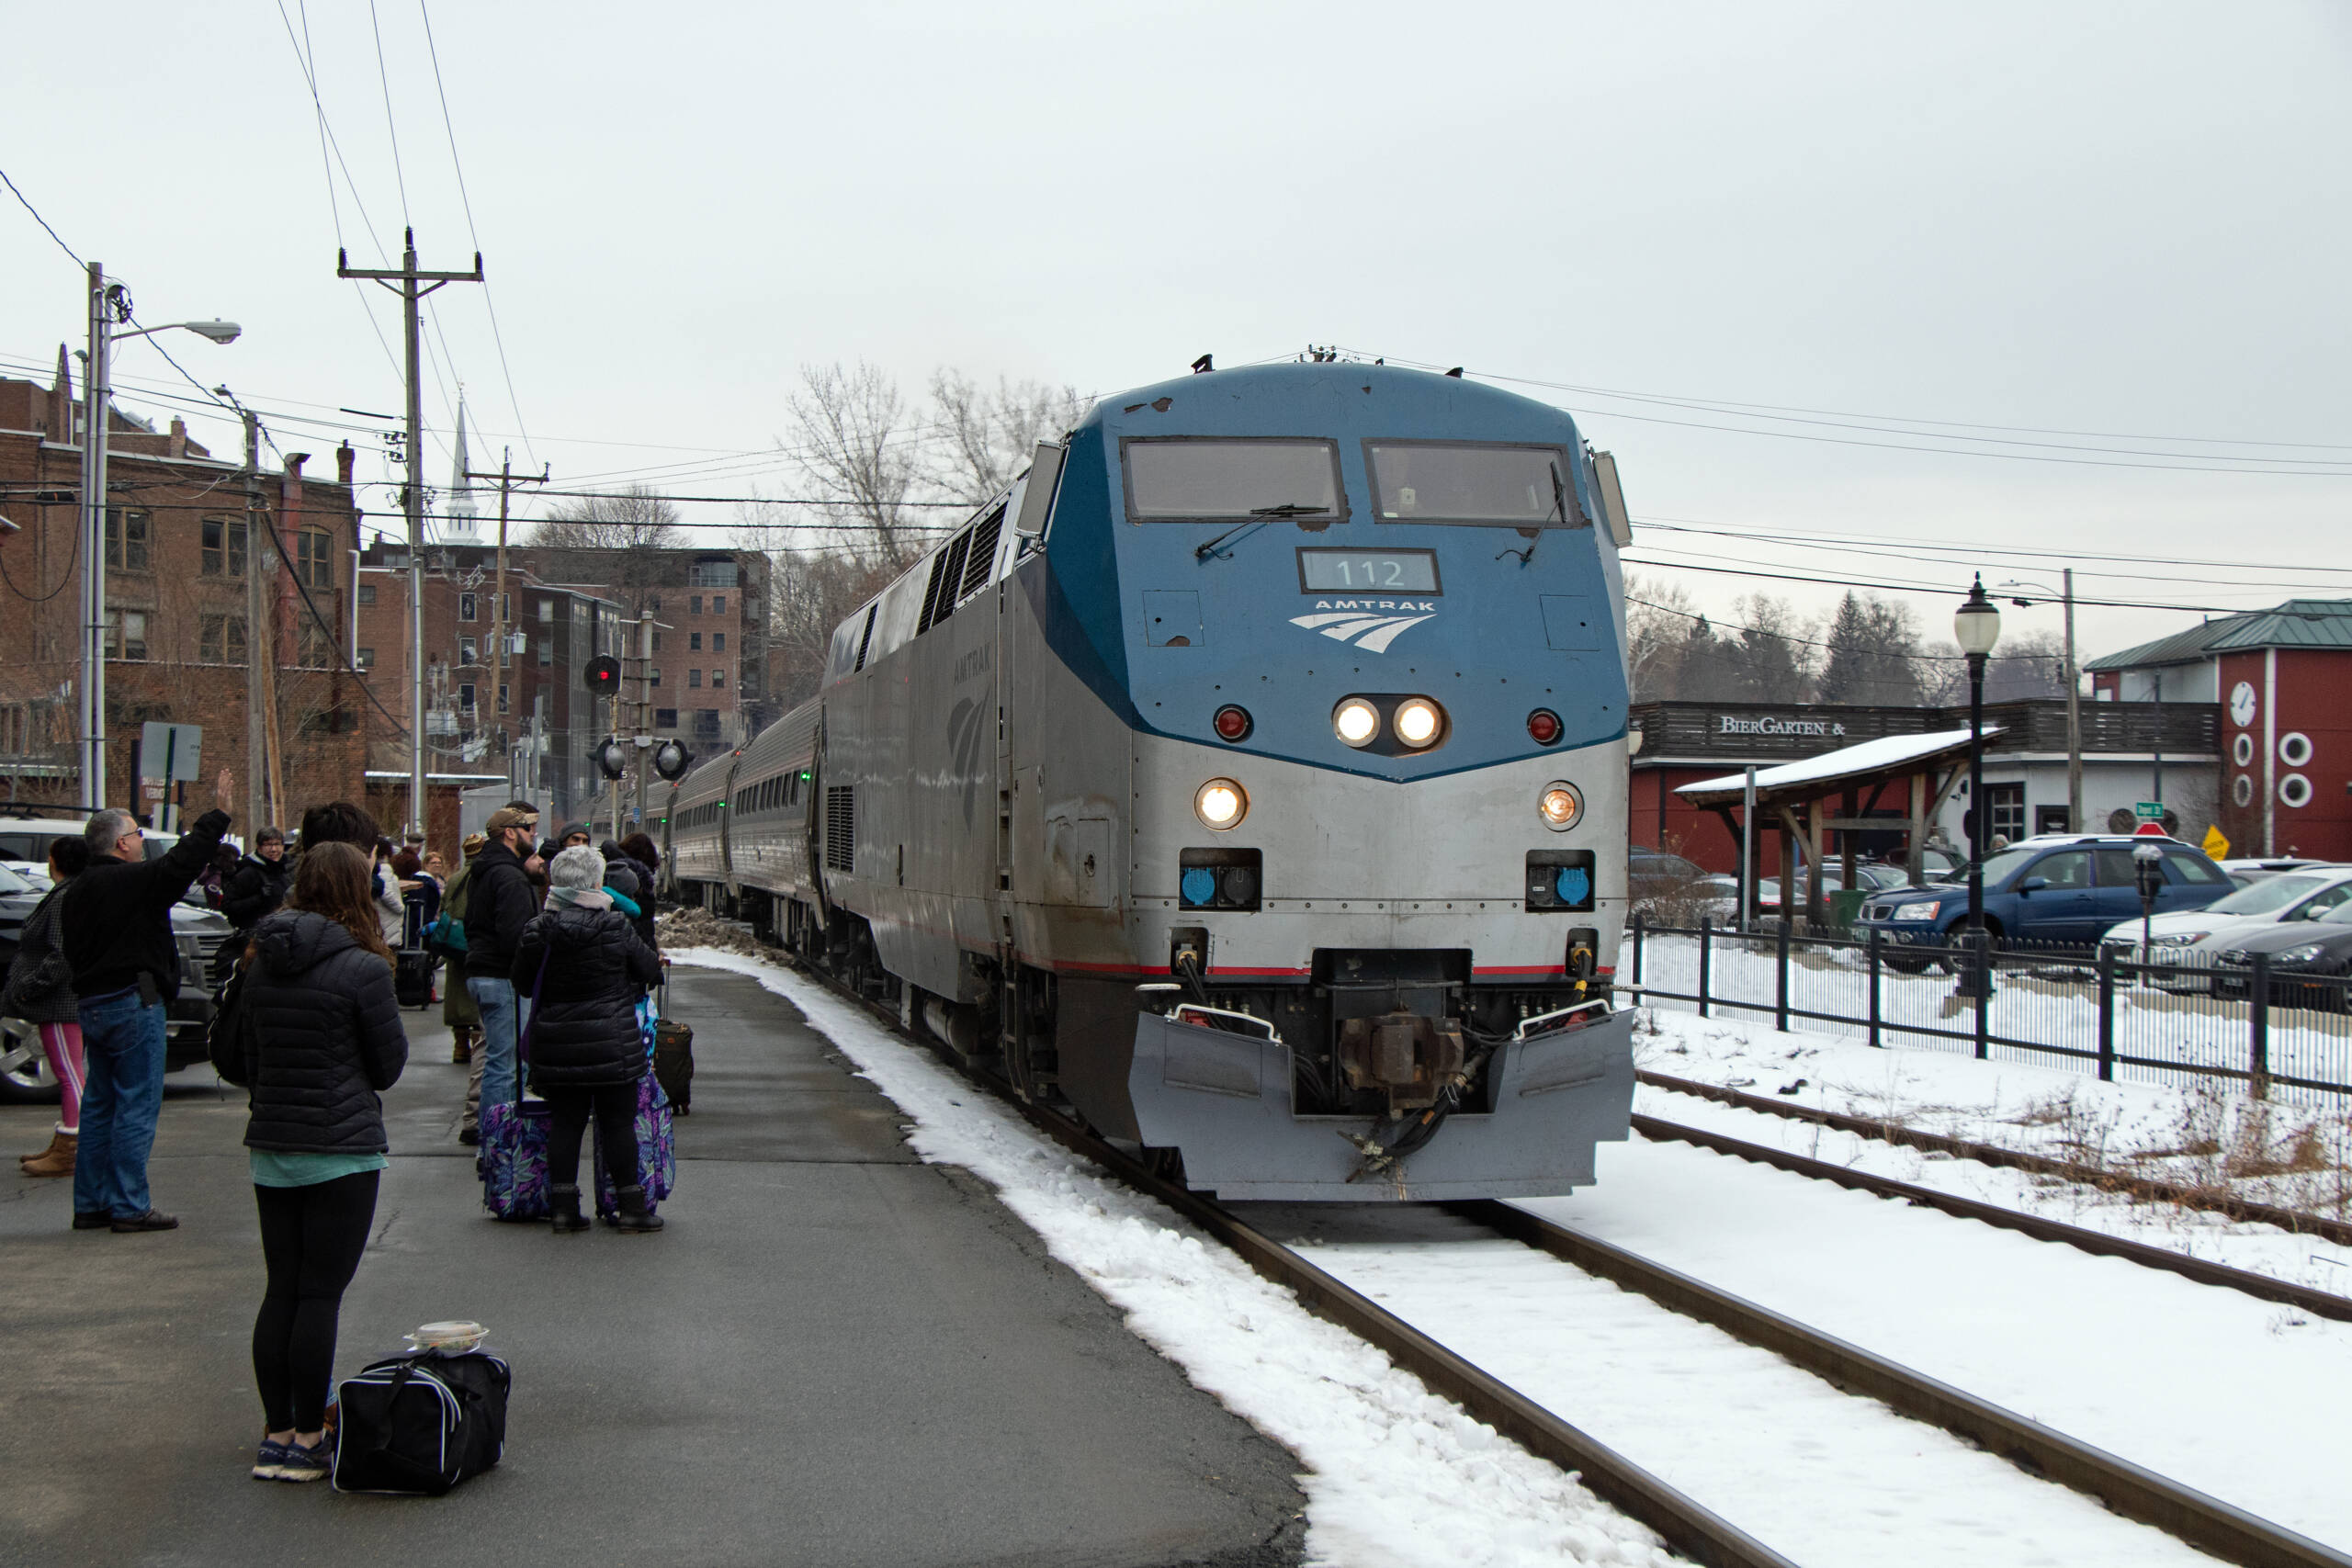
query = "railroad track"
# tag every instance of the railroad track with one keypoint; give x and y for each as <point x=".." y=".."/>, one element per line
<point x="1687" y="1525"/>
<point x="2321" y="1303"/>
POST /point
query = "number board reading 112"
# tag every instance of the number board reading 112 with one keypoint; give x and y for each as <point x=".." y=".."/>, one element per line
<point x="1367" y="572"/>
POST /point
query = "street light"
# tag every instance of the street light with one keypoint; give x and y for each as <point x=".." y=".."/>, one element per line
<point x="107" y="305"/>
<point x="1976" y="626"/>
<point x="2074" y="697"/>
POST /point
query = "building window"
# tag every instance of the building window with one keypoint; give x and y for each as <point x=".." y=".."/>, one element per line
<point x="466" y="695"/>
<point x="547" y="609"/>
<point x="665" y="718"/>
<point x="318" y="648"/>
<point x="748" y="681"/>
<point x="694" y="641"/>
<point x="694" y="603"/>
<point x="718" y="604"/>
<point x="366" y="659"/>
<point x="719" y="642"/>
<point x="717" y="679"/>
<point x="127" y="538"/>
<point x="314" y="558"/>
<point x="694" y="679"/>
<point x="2005" y="803"/>
<point x="707" y="723"/>
<point x="127" y="635"/>
<point x="367" y="594"/>
<point x="223" y="549"/>
<point x="221" y="639"/>
<point x="501" y="696"/>
<point x="547" y="652"/>
<point x="657" y="642"/>
<point x="465" y="606"/>
<point x="469" y="651"/>
<point x="711" y="574"/>
<point x="653" y="676"/>
<point x="15" y="729"/>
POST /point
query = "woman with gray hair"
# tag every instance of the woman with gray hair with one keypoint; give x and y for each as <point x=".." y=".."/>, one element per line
<point x="589" y="969"/>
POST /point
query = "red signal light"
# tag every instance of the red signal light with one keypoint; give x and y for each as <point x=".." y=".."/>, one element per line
<point x="1233" y="723"/>
<point x="1543" y="726"/>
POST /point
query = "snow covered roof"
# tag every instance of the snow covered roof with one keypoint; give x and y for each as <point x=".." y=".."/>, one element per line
<point x="1894" y="754"/>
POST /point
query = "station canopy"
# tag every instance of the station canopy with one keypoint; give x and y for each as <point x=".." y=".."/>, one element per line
<point x="1870" y="762"/>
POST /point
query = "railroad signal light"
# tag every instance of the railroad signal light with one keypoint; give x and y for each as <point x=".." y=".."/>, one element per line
<point x="672" y="759"/>
<point x="604" y="674"/>
<point x="612" y="757"/>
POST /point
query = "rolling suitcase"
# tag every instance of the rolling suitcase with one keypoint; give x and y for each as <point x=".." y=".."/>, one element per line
<point x="412" y="964"/>
<point x="674" y="1051"/>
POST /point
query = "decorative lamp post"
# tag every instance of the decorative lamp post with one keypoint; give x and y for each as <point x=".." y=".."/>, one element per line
<point x="1976" y="626"/>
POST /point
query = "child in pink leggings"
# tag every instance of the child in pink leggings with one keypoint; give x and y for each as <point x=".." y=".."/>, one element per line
<point x="39" y="989"/>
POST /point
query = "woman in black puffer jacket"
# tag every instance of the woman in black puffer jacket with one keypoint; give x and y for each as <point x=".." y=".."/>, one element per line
<point x="322" y="1039"/>
<point x="586" y="1052"/>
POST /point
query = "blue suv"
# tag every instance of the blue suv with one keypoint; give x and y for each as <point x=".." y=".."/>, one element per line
<point x="2060" y="891"/>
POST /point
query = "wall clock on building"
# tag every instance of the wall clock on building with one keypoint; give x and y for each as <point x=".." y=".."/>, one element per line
<point x="2242" y="704"/>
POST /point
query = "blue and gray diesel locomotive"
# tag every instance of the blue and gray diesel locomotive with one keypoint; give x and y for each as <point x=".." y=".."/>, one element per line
<point x="1250" y="778"/>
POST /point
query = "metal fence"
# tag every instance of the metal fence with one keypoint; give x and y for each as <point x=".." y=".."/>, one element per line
<point x="2171" y="1016"/>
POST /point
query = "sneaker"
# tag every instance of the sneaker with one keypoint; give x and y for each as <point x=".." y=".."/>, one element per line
<point x="271" y="1460"/>
<point x="312" y="1463"/>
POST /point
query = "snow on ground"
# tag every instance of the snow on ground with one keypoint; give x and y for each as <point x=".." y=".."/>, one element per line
<point x="2237" y="1397"/>
<point x="1827" y="1479"/>
<point x="2201" y="1134"/>
<point x="1397" y="1476"/>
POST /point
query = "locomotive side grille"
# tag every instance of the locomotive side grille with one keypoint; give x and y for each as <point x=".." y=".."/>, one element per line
<point x="866" y="640"/>
<point x="841" y="825"/>
<point x="983" y="557"/>
<point x="950" y="576"/>
<point x="931" y="593"/>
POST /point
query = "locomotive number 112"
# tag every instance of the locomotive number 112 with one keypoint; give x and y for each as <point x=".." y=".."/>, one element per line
<point x="1401" y="572"/>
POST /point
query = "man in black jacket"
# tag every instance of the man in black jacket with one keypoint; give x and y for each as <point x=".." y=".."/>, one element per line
<point x="255" y="887"/>
<point x="500" y="901"/>
<point x="118" y="937"/>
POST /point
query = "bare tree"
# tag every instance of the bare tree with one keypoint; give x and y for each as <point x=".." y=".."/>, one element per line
<point x="853" y="434"/>
<point x="614" y="539"/>
<point x="813" y="592"/>
<point x="987" y="435"/>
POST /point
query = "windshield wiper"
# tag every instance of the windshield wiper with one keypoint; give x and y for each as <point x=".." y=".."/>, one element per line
<point x="1259" y="516"/>
<point x="1559" y="509"/>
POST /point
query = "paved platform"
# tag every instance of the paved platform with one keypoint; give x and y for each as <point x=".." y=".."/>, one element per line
<point x="835" y="1355"/>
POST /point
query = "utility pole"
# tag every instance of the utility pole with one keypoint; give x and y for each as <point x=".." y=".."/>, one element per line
<point x="643" y="739"/>
<point x="257" y="696"/>
<point x="412" y="289"/>
<point x="93" y="716"/>
<point x="2073" y="716"/>
<point x="498" y="632"/>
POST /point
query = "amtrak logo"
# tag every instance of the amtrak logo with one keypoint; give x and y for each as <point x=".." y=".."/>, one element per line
<point x="1366" y="623"/>
<point x="966" y="734"/>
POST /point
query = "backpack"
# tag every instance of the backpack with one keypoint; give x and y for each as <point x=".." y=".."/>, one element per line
<point x="224" y="1036"/>
<point x="447" y="934"/>
<point x="419" y="1424"/>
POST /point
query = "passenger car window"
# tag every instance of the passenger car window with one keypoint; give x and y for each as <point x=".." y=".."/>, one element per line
<point x="2068" y="868"/>
<point x="2115" y="869"/>
<point x="2322" y="903"/>
<point x="2195" y="872"/>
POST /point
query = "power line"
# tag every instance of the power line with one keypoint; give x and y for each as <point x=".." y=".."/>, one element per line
<point x="391" y="130"/>
<point x="39" y="219"/>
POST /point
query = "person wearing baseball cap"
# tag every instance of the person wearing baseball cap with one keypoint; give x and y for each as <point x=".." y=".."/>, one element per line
<point x="500" y="901"/>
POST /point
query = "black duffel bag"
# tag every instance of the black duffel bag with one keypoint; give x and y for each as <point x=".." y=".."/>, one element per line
<point x="418" y="1424"/>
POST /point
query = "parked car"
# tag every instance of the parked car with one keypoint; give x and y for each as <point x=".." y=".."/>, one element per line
<point x="2276" y="900"/>
<point x="1659" y="873"/>
<point x="2058" y="891"/>
<point x="195" y="931"/>
<point x="2297" y="952"/>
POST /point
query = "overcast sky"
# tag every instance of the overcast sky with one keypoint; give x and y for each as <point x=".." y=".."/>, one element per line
<point x="2128" y="219"/>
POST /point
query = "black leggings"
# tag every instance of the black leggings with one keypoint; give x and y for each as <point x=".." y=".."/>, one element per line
<point x="614" y="1106"/>
<point x="310" y="1239"/>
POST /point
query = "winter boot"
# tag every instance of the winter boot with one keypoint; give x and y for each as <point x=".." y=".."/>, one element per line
<point x="55" y="1160"/>
<point x="565" y="1202"/>
<point x="634" y="1214"/>
<point x="461" y="1044"/>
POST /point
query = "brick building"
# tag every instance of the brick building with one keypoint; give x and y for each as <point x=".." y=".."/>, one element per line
<point x="2277" y="678"/>
<point x="179" y="548"/>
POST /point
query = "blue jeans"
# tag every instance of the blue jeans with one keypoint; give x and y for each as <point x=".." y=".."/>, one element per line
<point x="504" y="1014"/>
<point x="122" y="1052"/>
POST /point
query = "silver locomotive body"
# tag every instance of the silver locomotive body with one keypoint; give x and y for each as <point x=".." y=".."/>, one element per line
<point x="1385" y="974"/>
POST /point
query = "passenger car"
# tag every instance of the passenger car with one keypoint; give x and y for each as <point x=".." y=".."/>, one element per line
<point x="2057" y="891"/>
<point x="2297" y="953"/>
<point x="2276" y="900"/>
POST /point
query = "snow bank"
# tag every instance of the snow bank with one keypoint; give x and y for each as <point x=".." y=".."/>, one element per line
<point x="1397" y="1477"/>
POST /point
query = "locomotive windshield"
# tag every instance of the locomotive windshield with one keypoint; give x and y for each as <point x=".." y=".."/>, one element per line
<point x="1178" y="481"/>
<point x="1522" y="487"/>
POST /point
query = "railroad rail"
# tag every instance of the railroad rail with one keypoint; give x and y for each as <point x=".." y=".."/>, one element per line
<point x="2321" y="1303"/>
<point x="1686" y="1525"/>
<point x="2295" y="1220"/>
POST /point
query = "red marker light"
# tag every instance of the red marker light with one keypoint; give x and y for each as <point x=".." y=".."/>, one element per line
<point x="1233" y="723"/>
<point x="1543" y="726"/>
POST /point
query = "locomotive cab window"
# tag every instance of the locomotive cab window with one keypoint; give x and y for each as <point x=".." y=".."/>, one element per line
<point x="1451" y="481"/>
<point x="1188" y="479"/>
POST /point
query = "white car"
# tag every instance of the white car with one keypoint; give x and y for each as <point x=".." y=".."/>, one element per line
<point x="2302" y="895"/>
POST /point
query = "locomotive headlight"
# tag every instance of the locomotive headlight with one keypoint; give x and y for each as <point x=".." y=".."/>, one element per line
<point x="1418" y="722"/>
<point x="1220" y="803"/>
<point x="1559" y="805"/>
<point x="1356" y="721"/>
